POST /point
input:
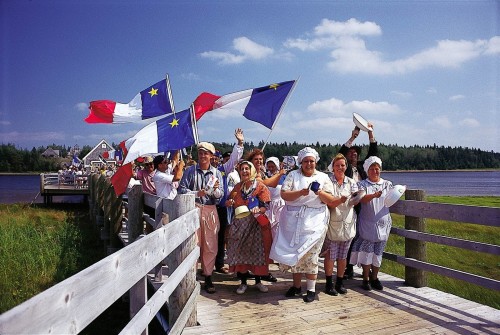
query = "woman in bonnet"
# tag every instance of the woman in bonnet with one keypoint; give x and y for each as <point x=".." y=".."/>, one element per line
<point x="303" y="223"/>
<point x="374" y="224"/>
<point x="245" y="245"/>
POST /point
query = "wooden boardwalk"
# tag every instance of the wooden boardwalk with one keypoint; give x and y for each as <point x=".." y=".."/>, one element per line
<point x="398" y="309"/>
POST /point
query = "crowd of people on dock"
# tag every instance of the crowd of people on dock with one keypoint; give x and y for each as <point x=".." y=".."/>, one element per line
<point x="256" y="211"/>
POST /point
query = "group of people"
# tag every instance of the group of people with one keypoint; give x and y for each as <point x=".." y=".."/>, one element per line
<point x="253" y="213"/>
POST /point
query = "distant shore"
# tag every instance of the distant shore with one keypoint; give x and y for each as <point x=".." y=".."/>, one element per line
<point x="391" y="171"/>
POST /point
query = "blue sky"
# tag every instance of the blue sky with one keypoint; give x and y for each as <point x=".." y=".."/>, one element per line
<point x="422" y="72"/>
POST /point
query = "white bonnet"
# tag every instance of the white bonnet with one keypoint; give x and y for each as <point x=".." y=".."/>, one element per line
<point x="275" y="160"/>
<point x="307" y="152"/>
<point x="370" y="161"/>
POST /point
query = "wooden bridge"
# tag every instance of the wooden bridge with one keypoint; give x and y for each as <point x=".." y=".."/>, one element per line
<point x="56" y="184"/>
<point x="167" y="259"/>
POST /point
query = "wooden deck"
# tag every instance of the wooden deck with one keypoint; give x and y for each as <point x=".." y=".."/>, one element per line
<point x="398" y="309"/>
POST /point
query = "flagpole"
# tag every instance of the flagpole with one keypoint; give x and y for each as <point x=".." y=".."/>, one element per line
<point x="169" y="93"/>
<point x="280" y="111"/>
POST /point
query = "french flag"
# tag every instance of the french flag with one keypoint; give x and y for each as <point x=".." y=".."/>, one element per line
<point x="153" y="101"/>
<point x="261" y="105"/>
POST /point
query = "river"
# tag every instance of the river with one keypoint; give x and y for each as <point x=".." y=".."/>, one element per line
<point x="25" y="188"/>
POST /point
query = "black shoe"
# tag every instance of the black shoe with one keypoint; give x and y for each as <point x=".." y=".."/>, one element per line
<point x="293" y="292"/>
<point x="376" y="284"/>
<point x="340" y="289"/>
<point x="269" y="278"/>
<point x="349" y="272"/>
<point x="209" y="286"/>
<point x="366" y="285"/>
<point x="330" y="290"/>
<point x="310" y="296"/>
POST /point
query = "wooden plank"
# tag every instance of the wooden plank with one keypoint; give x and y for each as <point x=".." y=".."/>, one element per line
<point x="444" y="271"/>
<point x="71" y="305"/>
<point x="451" y="241"/>
<point x="141" y="320"/>
<point x="487" y="216"/>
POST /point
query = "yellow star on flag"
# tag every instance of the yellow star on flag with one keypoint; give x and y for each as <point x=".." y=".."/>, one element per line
<point x="175" y="122"/>
<point x="154" y="91"/>
<point x="275" y="86"/>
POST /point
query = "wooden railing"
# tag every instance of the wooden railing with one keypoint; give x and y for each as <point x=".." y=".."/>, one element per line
<point x="416" y="209"/>
<point x="71" y="305"/>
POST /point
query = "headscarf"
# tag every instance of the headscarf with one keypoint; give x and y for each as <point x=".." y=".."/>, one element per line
<point x="307" y="152"/>
<point x="370" y="161"/>
<point x="253" y="171"/>
<point x="275" y="160"/>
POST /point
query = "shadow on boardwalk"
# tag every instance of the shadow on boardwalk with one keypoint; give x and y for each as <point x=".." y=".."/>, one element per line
<point x="398" y="309"/>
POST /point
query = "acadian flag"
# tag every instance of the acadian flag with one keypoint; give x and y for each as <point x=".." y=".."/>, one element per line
<point x="172" y="132"/>
<point x="154" y="101"/>
<point x="261" y="105"/>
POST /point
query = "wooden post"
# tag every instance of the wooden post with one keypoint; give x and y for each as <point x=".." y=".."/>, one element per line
<point x="182" y="204"/>
<point x="135" y="205"/>
<point x="414" y="248"/>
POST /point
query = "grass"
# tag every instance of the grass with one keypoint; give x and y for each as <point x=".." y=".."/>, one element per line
<point x="481" y="264"/>
<point x="40" y="247"/>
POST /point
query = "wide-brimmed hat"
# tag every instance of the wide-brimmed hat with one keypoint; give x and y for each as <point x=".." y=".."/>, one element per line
<point x="206" y="146"/>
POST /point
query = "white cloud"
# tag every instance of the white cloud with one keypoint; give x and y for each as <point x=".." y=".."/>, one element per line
<point x="82" y="106"/>
<point x="190" y="76"/>
<point x="5" y="123"/>
<point x="456" y="97"/>
<point x="246" y="49"/>
<point x="337" y="107"/>
<point x="402" y="94"/>
<point x="442" y="122"/>
<point x="469" y="122"/>
<point x="431" y="90"/>
<point x="350" y="54"/>
<point x="38" y="137"/>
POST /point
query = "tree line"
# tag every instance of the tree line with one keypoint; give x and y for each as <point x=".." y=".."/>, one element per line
<point x="394" y="157"/>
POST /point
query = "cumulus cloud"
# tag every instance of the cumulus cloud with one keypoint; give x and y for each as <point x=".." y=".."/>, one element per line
<point x="191" y="76"/>
<point x="469" y="122"/>
<point x="82" y="106"/>
<point x="245" y="48"/>
<point x="402" y="94"/>
<point x="442" y="122"/>
<point x="337" y="107"/>
<point x="349" y="53"/>
<point x="456" y="97"/>
<point x="5" y="123"/>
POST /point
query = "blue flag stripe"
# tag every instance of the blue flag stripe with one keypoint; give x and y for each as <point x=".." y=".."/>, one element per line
<point x="178" y="136"/>
<point x="157" y="104"/>
<point x="266" y="102"/>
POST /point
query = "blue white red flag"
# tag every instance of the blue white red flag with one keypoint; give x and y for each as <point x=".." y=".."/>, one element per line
<point x="156" y="100"/>
<point x="262" y="104"/>
<point x="172" y="132"/>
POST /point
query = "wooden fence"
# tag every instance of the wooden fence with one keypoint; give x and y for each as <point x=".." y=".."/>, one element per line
<point x="71" y="305"/>
<point x="416" y="209"/>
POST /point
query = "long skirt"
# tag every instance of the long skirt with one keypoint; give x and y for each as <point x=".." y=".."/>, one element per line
<point x="207" y="237"/>
<point x="245" y="247"/>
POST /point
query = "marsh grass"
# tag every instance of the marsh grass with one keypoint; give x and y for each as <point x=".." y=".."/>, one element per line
<point x="468" y="261"/>
<point x="40" y="247"/>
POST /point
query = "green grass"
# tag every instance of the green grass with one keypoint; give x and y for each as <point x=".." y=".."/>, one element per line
<point x="40" y="247"/>
<point x="468" y="261"/>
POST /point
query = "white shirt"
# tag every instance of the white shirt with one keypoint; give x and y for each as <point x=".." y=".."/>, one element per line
<point x="165" y="185"/>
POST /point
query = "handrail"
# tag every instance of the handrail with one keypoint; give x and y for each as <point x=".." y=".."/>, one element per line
<point x="415" y="259"/>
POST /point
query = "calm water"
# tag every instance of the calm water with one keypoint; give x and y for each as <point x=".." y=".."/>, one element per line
<point x="26" y="188"/>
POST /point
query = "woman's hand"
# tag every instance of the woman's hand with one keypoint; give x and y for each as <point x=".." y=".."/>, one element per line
<point x="229" y="203"/>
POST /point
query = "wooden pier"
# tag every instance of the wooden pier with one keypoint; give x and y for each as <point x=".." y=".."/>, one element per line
<point x="54" y="184"/>
<point x="398" y="309"/>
